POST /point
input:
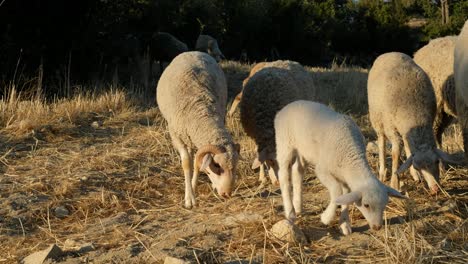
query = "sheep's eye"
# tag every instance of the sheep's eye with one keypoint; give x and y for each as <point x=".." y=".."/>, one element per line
<point x="366" y="206"/>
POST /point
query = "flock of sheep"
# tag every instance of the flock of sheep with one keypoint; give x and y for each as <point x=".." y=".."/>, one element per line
<point x="410" y="101"/>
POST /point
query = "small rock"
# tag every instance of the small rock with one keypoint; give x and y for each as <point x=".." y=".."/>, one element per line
<point x="70" y="244"/>
<point x="85" y="248"/>
<point x="135" y="249"/>
<point x="96" y="124"/>
<point x="171" y="260"/>
<point x="52" y="252"/>
<point x="80" y="248"/>
<point x="61" y="212"/>
<point x="287" y="231"/>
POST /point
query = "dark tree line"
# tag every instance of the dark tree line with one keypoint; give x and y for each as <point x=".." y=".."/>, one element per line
<point x="87" y="38"/>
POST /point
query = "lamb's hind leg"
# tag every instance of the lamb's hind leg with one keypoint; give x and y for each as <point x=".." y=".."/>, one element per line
<point x="297" y="177"/>
<point x="186" y="161"/>
<point x="284" y="172"/>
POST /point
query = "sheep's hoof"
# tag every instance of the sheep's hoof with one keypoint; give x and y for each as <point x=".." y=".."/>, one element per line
<point x="346" y="228"/>
<point x="190" y="202"/>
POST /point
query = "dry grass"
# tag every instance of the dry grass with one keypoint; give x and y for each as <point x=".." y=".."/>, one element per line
<point x="110" y="162"/>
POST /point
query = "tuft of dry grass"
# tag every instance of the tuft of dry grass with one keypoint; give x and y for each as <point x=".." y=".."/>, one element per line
<point x="109" y="161"/>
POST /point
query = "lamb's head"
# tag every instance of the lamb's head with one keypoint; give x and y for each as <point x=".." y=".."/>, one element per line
<point x="425" y="163"/>
<point x="371" y="200"/>
<point x="219" y="163"/>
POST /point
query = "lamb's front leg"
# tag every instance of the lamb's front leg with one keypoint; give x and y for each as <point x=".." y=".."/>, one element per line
<point x="297" y="177"/>
<point x="345" y="224"/>
<point x="334" y="188"/>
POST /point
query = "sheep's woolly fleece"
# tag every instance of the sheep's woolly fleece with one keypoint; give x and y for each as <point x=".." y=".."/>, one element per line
<point x="192" y="96"/>
<point x="267" y="92"/>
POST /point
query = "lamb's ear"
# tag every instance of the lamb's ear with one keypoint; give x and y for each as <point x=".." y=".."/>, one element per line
<point x="207" y="159"/>
<point x="349" y="198"/>
<point x="405" y="165"/>
<point x="445" y="157"/>
<point x="394" y="193"/>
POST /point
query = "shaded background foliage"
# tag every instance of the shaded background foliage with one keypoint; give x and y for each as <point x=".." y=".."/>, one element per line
<point x="84" y="40"/>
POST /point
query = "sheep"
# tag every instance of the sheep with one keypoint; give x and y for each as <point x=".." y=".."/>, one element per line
<point x="265" y="93"/>
<point x="461" y="83"/>
<point x="192" y="96"/>
<point x="436" y="59"/>
<point x="310" y="132"/>
<point x="208" y="44"/>
<point x="402" y="105"/>
<point x="165" y="47"/>
<point x="257" y="67"/>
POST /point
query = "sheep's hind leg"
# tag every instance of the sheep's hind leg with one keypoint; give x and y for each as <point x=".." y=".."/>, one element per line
<point x="345" y="224"/>
<point x="382" y="166"/>
<point x="262" y="178"/>
<point x="186" y="161"/>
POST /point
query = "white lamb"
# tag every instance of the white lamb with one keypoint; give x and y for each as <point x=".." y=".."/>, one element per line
<point x="309" y="132"/>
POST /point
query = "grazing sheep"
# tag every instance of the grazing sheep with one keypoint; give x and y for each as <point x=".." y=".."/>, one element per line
<point x="208" y="44"/>
<point x="436" y="59"/>
<point x="238" y="97"/>
<point x="165" y="47"/>
<point x="266" y="92"/>
<point x="461" y="83"/>
<point x="402" y="105"/>
<point x="313" y="133"/>
<point x="192" y="95"/>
